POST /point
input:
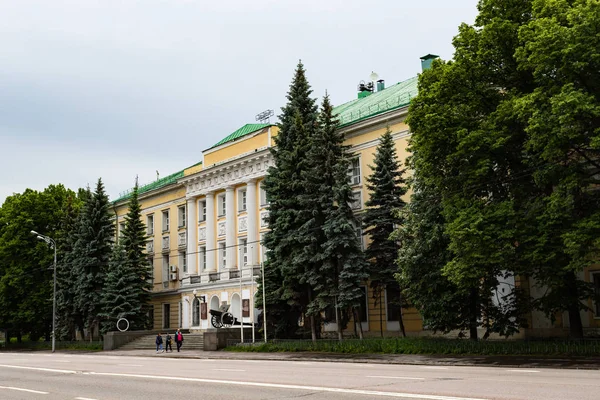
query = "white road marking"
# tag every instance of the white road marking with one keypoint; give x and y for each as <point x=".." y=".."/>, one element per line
<point x="62" y="361"/>
<point x="83" y="398"/>
<point x="22" y="390"/>
<point x="434" y="367"/>
<point x="61" y="371"/>
<point x="227" y="369"/>
<point x="298" y="387"/>
<point x="131" y="365"/>
<point x="395" y="377"/>
<point x="522" y="370"/>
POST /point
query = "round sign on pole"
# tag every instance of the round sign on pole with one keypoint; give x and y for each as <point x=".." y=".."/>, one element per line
<point x="126" y="326"/>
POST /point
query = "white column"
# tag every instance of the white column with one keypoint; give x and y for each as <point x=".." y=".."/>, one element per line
<point x="252" y="207"/>
<point x="192" y="239"/>
<point x="230" y="227"/>
<point x="211" y="251"/>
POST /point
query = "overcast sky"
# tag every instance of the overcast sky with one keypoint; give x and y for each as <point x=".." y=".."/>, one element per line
<point x="119" y="88"/>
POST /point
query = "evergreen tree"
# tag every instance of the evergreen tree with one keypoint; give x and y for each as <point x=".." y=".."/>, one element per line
<point x="119" y="300"/>
<point x="284" y="185"/>
<point x="332" y="249"/>
<point x="382" y="216"/>
<point x="134" y="245"/>
<point x="91" y="254"/>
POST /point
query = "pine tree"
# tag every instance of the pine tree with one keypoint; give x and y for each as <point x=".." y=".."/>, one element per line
<point x="91" y="255"/>
<point x="284" y="185"/>
<point x="65" y="280"/>
<point x="382" y="216"/>
<point x="134" y="242"/>
<point x="118" y="298"/>
<point x="332" y="250"/>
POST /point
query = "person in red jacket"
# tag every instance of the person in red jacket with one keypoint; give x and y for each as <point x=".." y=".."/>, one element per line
<point x="178" y="339"/>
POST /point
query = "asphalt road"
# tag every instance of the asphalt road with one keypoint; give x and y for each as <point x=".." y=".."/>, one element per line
<point x="46" y="376"/>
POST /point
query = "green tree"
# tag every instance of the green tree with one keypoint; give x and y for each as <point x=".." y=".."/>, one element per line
<point x="119" y="300"/>
<point x="333" y="249"/>
<point x="468" y="146"/>
<point x="91" y="255"/>
<point x="26" y="263"/>
<point x="560" y="47"/>
<point x="382" y="216"/>
<point x="284" y="185"/>
<point x="134" y="245"/>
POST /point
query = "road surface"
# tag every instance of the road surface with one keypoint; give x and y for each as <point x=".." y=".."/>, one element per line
<point x="60" y="376"/>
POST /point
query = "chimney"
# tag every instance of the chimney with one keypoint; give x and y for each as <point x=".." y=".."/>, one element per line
<point x="427" y="60"/>
<point x="380" y="85"/>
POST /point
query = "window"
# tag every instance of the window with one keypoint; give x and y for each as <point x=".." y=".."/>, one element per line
<point x="181" y="215"/>
<point x="393" y="301"/>
<point x="356" y="203"/>
<point x="121" y="228"/>
<point x="222" y="255"/>
<point x="202" y="213"/>
<point x="165" y="221"/>
<point x="196" y="312"/>
<point x="150" y="270"/>
<point x="222" y="205"/>
<point x="165" y="271"/>
<point x="202" y="259"/>
<point x="359" y="236"/>
<point x="263" y="196"/>
<point x="242" y="197"/>
<point x="354" y="171"/>
<point x="150" y="224"/>
<point x="263" y="248"/>
<point x="183" y="262"/>
<point x="243" y="252"/>
<point x="596" y="282"/>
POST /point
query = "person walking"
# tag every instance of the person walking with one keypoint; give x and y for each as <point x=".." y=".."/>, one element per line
<point x="159" y="343"/>
<point x="168" y="343"/>
<point x="178" y="339"/>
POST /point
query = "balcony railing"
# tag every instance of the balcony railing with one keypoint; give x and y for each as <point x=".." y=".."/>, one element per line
<point x="214" y="276"/>
<point x="195" y="279"/>
<point x="234" y="274"/>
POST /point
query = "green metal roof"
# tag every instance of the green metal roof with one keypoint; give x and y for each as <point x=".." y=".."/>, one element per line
<point x="396" y="96"/>
<point x="243" y="131"/>
<point x="162" y="182"/>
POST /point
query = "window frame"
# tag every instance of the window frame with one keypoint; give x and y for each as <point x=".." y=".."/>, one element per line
<point x="150" y="226"/>
<point x="183" y="262"/>
<point x="242" y="200"/>
<point x="202" y="213"/>
<point x="222" y="202"/>
<point x="166" y="218"/>
<point x="222" y="254"/>
<point x="354" y="179"/>
<point x="181" y="215"/>
<point x="202" y="253"/>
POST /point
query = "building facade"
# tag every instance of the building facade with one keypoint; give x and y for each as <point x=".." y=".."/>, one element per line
<point x="206" y="223"/>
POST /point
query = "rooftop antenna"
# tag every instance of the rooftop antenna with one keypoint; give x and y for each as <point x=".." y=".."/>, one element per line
<point x="265" y="116"/>
<point x="373" y="77"/>
<point x="157" y="175"/>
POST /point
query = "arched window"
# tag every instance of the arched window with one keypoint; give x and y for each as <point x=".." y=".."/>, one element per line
<point x="196" y="312"/>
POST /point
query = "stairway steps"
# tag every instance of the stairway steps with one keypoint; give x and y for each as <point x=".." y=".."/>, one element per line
<point x="191" y="342"/>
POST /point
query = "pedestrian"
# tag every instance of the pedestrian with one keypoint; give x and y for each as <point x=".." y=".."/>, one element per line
<point x="159" y="343"/>
<point x="169" y="343"/>
<point x="178" y="339"/>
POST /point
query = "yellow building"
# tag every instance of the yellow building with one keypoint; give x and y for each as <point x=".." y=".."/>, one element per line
<point x="206" y="222"/>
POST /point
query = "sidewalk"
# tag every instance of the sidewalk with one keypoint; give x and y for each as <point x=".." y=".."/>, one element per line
<point x="406" y="359"/>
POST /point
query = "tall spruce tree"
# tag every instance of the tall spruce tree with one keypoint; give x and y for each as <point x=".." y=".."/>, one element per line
<point x="119" y="300"/>
<point x="134" y="242"/>
<point x="91" y="254"/>
<point x="382" y="216"/>
<point x="333" y="249"/>
<point x="66" y="324"/>
<point x="284" y="185"/>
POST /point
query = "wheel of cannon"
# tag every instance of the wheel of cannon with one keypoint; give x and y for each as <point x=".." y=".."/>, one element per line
<point x="227" y="319"/>
<point x="216" y="321"/>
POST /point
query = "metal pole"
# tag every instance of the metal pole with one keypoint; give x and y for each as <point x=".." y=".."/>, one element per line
<point x="252" y="294"/>
<point x="262" y="267"/>
<point x="241" y="307"/>
<point x="54" y="304"/>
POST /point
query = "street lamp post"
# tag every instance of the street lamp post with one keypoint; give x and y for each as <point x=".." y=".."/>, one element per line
<point x="52" y="243"/>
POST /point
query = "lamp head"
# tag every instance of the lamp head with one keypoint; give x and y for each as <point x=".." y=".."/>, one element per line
<point x="195" y="292"/>
<point x="34" y="233"/>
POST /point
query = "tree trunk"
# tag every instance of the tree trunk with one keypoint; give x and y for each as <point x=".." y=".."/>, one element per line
<point x="380" y="310"/>
<point x="357" y="321"/>
<point x="473" y="315"/>
<point x="338" y="321"/>
<point x="575" y="323"/>
<point x="400" y="316"/>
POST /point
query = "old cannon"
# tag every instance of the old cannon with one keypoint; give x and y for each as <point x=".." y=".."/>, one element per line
<point x="222" y="318"/>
